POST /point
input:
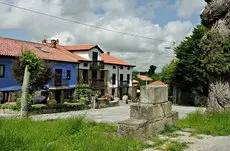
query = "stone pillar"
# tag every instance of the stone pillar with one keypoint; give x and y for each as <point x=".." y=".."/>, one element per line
<point x="150" y="115"/>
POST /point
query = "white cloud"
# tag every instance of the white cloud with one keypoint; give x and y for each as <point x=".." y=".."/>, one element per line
<point x="120" y="15"/>
<point x="186" y="8"/>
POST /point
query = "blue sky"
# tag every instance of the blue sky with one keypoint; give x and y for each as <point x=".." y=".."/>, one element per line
<point x="169" y="20"/>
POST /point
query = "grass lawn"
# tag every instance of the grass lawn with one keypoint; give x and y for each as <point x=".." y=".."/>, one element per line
<point x="216" y="124"/>
<point x="64" y="135"/>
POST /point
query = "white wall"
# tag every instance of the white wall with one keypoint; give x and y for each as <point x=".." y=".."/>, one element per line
<point x="84" y="54"/>
<point x="88" y="54"/>
<point x="123" y="71"/>
<point x="81" y="65"/>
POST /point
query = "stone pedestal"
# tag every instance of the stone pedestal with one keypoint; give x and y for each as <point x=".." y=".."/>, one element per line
<point x="150" y="116"/>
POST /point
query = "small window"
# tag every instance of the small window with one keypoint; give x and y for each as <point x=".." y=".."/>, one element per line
<point x="85" y="64"/>
<point x="68" y="74"/>
<point x="128" y="78"/>
<point x="128" y="68"/>
<point x="121" y="68"/>
<point x="2" y="71"/>
<point x="114" y="67"/>
<point x="114" y="79"/>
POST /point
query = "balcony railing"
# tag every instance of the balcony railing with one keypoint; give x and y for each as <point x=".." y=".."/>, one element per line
<point x="60" y="82"/>
<point x="98" y="84"/>
<point x="124" y="83"/>
<point x="97" y="65"/>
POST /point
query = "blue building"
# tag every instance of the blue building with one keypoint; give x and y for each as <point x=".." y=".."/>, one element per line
<point x="64" y="67"/>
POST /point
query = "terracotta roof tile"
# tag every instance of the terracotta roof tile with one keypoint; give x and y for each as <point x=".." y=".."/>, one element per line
<point x="157" y="83"/>
<point x="13" y="48"/>
<point x="80" y="47"/>
<point x="113" y="60"/>
<point x="144" y="78"/>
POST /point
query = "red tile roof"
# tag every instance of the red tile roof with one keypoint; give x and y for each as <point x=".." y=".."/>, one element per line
<point x="113" y="60"/>
<point x="144" y="78"/>
<point x="157" y="83"/>
<point x="80" y="47"/>
<point x="13" y="48"/>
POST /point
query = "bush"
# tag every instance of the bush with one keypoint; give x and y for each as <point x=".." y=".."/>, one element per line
<point x="52" y="102"/>
<point x="39" y="106"/>
<point x="83" y="93"/>
<point x="9" y="106"/>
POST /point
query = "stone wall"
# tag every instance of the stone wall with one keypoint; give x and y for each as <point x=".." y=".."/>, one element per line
<point x="150" y="116"/>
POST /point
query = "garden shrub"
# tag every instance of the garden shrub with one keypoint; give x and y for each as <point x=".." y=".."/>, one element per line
<point x="9" y="106"/>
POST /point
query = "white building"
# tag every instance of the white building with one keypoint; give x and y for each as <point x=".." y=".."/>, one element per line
<point x="102" y="71"/>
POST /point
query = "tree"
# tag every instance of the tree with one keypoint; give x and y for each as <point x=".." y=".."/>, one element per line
<point x="216" y="63"/>
<point x="168" y="71"/>
<point x="31" y="67"/>
<point x="152" y="70"/>
<point x="189" y="72"/>
<point x="39" y="77"/>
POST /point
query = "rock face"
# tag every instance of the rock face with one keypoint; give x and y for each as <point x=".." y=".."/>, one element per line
<point x="149" y="116"/>
<point x="216" y="15"/>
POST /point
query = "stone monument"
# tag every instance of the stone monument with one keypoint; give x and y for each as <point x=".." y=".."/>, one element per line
<point x="150" y="115"/>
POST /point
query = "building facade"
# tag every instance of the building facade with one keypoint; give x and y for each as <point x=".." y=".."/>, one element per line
<point x="64" y="65"/>
<point x="103" y="72"/>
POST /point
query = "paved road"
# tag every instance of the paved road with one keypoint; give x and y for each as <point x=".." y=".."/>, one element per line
<point x="112" y="115"/>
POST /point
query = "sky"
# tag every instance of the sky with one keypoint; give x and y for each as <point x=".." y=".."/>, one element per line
<point x="166" y="20"/>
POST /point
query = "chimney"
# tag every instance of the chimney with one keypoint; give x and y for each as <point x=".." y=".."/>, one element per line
<point x="54" y="43"/>
<point x="108" y="53"/>
<point x="44" y="41"/>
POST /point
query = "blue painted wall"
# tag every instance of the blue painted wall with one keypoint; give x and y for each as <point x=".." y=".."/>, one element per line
<point x="64" y="67"/>
<point x="8" y="83"/>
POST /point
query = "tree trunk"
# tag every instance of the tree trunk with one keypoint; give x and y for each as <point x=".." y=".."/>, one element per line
<point x="25" y="87"/>
<point x="219" y="96"/>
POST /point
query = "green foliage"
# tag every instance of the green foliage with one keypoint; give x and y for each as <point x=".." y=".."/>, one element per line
<point x="152" y="70"/>
<point x="83" y="93"/>
<point x="168" y="72"/>
<point x="176" y="146"/>
<point x="216" y="54"/>
<point x="72" y="134"/>
<point x="40" y="71"/>
<point x="210" y="124"/>
<point x="189" y="71"/>
<point x="52" y="102"/>
<point x="39" y="106"/>
<point x="9" y="106"/>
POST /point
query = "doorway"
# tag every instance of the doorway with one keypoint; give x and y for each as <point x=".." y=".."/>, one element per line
<point x="58" y="96"/>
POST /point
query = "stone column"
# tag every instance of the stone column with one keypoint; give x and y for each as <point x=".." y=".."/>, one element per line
<point x="150" y="115"/>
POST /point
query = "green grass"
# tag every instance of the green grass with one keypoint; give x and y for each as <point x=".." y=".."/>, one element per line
<point x="216" y="124"/>
<point x="63" y="135"/>
<point x="176" y="146"/>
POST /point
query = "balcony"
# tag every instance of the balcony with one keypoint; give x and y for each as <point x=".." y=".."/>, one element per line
<point x="124" y="83"/>
<point x="97" y="84"/>
<point x="96" y="65"/>
<point x="60" y="82"/>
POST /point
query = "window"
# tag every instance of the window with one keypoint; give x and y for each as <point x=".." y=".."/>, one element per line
<point x="85" y="64"/>
<point x="121" y="77"/>
<point x="68" y="74"/>
<point x="2" y="71"/>
<point x="128" y="68"/>
<point x="121" y="68"/>
<point x="113" y="79"/>
<point x="128" y="78"/>
<point x="95" y="56"/>
<point x="114" y="67"/>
